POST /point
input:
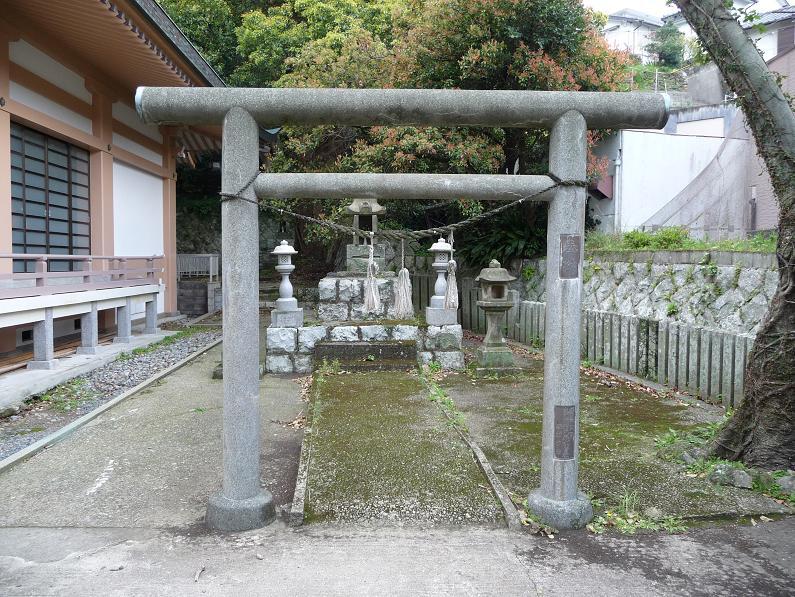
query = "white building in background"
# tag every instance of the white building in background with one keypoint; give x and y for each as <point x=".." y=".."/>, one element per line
<point x="777" y="20"/>
<point x="629" y="30"/>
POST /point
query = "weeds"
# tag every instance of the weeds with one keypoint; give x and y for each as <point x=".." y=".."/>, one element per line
<point x="626" y="519"/>
<point x="68" y="396"/>
<point x="437" y="395"/>
<point x="329" y="368"/>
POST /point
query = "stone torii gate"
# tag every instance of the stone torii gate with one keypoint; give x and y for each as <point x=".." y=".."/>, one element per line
<point x="242" y="504"/>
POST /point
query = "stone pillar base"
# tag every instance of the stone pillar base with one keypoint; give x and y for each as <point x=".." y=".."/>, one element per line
<point x="43" y="365"/>
<point x="434" y="316"/>
<point x="86" y="350"/>
<point x="224" y="514"/>
<point x="121" y="340"/>
<point x="293" y="318"/>
<point x="151" y="331"/>
<point x="561" y="514"/>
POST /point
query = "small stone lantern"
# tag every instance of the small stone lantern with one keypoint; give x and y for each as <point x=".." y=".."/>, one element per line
<point x="436" y="314"/>
<point x="365" y="207"/>
<point x="494" y="354"/>
<point x="356" y="255"/>
<point x="287" y="314"/>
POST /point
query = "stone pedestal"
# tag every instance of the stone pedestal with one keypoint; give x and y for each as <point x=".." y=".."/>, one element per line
<point x="287" y="317"/>
<point x="356" y="257"/>
<point x="441" y="316"/>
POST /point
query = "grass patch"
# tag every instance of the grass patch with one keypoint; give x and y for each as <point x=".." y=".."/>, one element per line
<point x="437" y="395"/>
<point x="675" y="239"/>
<point x="167" y="341"/>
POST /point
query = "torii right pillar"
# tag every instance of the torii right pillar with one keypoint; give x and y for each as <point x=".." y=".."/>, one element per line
<point x="557" y="501"/>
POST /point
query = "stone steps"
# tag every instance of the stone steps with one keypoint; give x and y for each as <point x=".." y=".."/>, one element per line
<point x="385" y="355"/>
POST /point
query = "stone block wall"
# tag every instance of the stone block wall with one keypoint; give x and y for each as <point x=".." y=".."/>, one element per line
<point x="341" y="298"/>
<point x="722" y="291"/>
<point x="291" y="350"/>
<point x="197" y="297"/>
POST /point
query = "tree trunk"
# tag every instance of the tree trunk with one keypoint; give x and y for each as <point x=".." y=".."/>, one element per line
<point x="762" y="431"/>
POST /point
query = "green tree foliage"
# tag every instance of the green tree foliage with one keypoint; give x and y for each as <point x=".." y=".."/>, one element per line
<point x="471" y="44"/>
<point x="210" y="26"/>
<point x="668" y="45"/>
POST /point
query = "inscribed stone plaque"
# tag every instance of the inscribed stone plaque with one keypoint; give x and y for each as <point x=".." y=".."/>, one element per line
<point x="570" y="256"/>
<point x="564" y="432"/>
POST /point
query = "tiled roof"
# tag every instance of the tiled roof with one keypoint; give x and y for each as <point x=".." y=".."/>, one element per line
<point x="630" y="14"/>
<point x="155" y="14"/>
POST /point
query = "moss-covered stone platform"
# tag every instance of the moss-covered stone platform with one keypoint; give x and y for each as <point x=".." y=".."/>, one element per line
<point x="620" y="425"/>
<point x="381" y="451"/>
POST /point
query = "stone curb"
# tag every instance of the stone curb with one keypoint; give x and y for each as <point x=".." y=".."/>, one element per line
<point x="63" y="432"/>
<point x="296" y="515"/>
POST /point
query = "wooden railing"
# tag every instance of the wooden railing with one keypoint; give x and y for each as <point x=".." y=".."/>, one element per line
<point x="116" y="271"/>
<point x="197" y="265"/>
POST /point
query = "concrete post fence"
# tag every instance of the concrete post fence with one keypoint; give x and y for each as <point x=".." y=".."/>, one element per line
<point x="567" y="114"/>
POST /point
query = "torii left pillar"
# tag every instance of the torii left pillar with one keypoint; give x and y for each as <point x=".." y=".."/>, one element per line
<point x="242" y="503"/>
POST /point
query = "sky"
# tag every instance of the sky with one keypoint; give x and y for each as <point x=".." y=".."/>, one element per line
<point x="653" y="7"/>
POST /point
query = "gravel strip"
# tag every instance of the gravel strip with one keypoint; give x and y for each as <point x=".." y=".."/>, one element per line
<point x="95" y="388"/>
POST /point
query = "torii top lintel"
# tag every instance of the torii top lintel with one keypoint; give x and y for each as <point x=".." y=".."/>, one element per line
<point x="417" y="107"/>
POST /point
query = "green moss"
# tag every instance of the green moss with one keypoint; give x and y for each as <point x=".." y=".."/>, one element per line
<point x="381" y="450"/>
<point x="618" y="452"/>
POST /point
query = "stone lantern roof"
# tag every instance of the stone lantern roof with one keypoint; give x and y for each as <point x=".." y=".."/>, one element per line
<point x="441" y="246"/>
<point x="365" y="207"/>
<point x="284" y="248"/>
<point x="494" y="273"/>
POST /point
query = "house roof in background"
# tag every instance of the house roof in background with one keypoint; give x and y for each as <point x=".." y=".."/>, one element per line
<point x="785" y="13"/>
<point x="629" y="14"/>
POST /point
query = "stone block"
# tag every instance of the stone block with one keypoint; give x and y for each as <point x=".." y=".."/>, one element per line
<point x="435" y="316"/>
<point x="332" y="311"/>
<point x="275" y="363"/>
<point x="450" y="337"/>
<point x="349" y="290"/>
<point x="359" y="264"/>
<point x="450" y="360"/>
<point x="424" y="357"/>
<point x="280" y="340"/>
<point x="405" y="332"/>
<point x="327" y="289"/>
<point x="287" y="319"/>
<point x="372" y="333"/>
<point x="358" y="314"/>
<point x="302" y="363"/>
<point x="496" y="358"/>
<point x="345" y="333"/>
<point x="308" y="337"/>
<point x="385" y="290"/>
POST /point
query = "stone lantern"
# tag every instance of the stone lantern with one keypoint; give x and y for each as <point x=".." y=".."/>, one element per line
<point x="436" y="314"/>
<point x="287" y="314"/>
<point x="494" y="353"/>
<point x="356" y="255"/>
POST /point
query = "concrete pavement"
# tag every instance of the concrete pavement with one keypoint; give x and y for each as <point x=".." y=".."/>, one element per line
<point x="116" y="509"/>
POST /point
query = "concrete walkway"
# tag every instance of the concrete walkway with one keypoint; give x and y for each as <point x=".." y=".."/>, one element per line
<point x="116" y="509"/>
